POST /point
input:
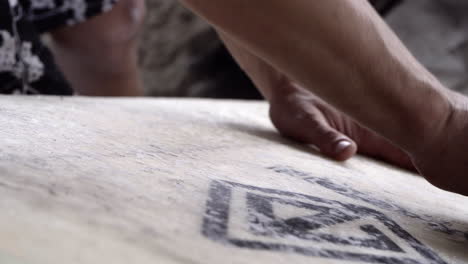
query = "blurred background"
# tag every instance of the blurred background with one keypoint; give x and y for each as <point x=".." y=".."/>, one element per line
<point x="180" y="55"/>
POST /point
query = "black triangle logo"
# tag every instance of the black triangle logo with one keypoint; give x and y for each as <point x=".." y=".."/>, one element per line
<point x="320" y="214"/>
<point x="264" y="222"/>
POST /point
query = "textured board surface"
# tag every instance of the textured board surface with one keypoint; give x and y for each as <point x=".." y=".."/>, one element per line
<point x="87" y="180"/>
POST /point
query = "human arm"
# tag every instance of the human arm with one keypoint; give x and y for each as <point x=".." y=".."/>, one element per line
<point x="300" y="115"/>
<point x="351" y="53"/>
<point x="361" y="68"/>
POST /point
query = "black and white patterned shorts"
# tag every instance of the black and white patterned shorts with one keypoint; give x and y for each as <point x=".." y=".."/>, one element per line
<point x="26" y="65"/>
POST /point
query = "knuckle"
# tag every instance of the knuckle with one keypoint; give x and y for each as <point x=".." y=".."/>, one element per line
<point x="329" y="135"/>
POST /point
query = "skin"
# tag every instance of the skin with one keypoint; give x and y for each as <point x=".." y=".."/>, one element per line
<point x="325" y="127"/>
<point x="308" y="62"/>
<point x="342" y="53"/>
<point x="300" y="115"/>
<point x="99" y="56"/>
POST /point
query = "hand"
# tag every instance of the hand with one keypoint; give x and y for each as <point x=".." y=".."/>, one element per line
<point x="443" y="160"/>
<point x="300" y="115"/>
<point x="440" y="156"/>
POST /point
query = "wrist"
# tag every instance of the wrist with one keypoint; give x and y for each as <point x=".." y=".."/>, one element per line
<point x="428" y="121"/>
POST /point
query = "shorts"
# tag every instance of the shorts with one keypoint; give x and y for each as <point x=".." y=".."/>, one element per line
<point x="26" y="64"/>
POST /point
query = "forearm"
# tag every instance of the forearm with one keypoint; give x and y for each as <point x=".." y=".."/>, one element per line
<point x="343" y="52"/>
<point x="270" y="82"/>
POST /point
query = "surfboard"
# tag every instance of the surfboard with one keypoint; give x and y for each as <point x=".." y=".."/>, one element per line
<point x="176" y="181"/>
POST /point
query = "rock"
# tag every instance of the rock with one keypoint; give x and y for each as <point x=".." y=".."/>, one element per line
<point x="182" y="56"/>
<point x="436" y="32"/>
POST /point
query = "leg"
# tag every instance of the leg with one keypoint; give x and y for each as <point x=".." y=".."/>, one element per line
<point x="99" y="56"/>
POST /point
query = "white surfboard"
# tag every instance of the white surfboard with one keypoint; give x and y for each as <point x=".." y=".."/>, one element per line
<point x="86" y="180"/>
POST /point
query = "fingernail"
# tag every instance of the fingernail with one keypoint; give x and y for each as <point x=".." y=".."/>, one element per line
<point x="341" y="146"/>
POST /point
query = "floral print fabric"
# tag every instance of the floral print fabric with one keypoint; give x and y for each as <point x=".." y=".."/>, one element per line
<point x="26" y="65"/>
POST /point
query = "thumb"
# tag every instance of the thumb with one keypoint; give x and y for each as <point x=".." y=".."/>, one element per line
<point x="311" y="127"/>
<point x="331" y="142"/>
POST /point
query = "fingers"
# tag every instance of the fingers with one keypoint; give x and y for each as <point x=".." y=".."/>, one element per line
<point x="331" y="143"/>
<point x="397" y="157"/>
<point x="312" y="128"/>
<point x="373" y="145"/>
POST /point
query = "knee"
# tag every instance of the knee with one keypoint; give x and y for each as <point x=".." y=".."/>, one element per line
<point x="116" y="29"/>
<point x="124" y="23"/>
<point x="106" y="43"/>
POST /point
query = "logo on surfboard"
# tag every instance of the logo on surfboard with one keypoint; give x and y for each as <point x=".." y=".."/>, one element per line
<point x="279" y="221"/>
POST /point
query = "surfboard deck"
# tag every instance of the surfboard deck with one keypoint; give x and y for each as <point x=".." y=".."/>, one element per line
<point x="87" y="180"/>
